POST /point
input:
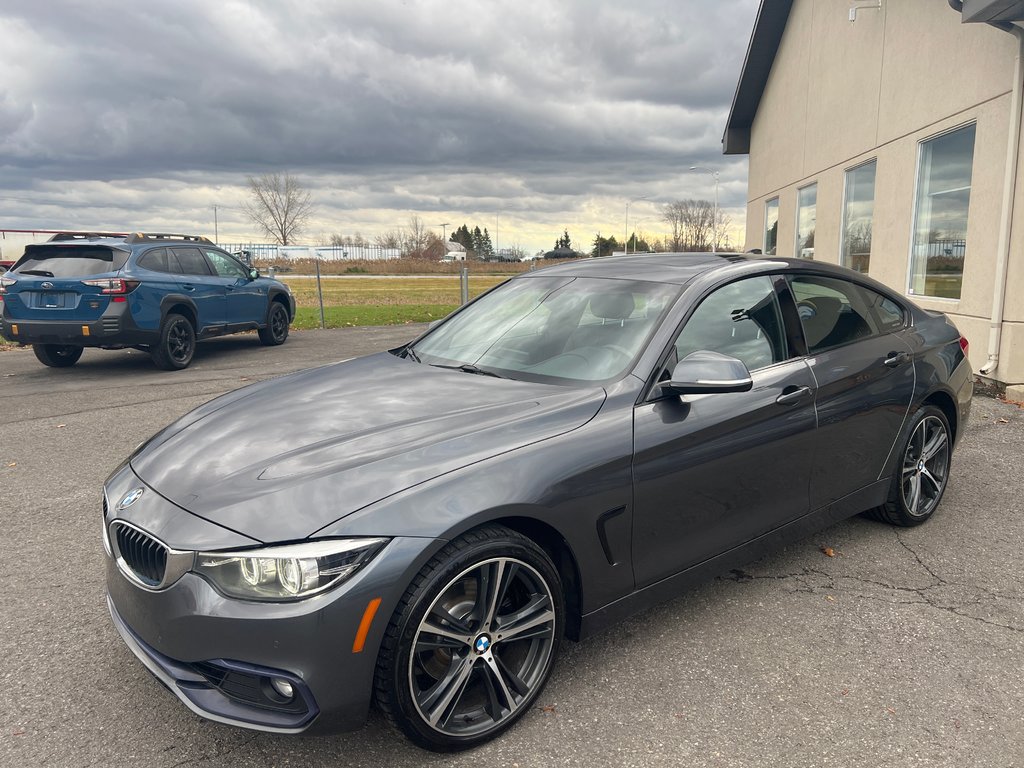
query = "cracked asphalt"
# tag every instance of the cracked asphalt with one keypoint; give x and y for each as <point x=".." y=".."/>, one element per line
<point x="905" y="648"/>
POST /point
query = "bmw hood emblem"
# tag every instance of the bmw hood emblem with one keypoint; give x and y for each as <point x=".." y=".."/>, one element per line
<point x="130" y="498"/>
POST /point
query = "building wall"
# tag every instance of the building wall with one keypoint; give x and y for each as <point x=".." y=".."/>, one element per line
<point x="842" y="93"/>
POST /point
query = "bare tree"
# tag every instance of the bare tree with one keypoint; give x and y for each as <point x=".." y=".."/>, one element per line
<point x="692" y="224"/>
<point x="279" y="205"/>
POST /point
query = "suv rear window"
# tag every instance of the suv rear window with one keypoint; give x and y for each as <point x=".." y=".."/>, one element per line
<point x="70" y="261"/>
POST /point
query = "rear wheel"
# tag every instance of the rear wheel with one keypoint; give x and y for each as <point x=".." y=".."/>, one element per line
<point x="473" y="641"/>
<point x="922" y="472"/>
<point x="177" y="344"/>
<point x="277" y="325"/>
<point x="57" y="355"/>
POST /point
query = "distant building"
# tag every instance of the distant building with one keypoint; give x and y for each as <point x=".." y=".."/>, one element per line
<point x="878" y="138"/>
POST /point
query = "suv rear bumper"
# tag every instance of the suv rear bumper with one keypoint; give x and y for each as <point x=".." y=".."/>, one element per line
<point x="114" y="329"/>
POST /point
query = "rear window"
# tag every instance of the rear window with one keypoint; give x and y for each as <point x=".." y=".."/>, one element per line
<point x="70" y="261"/>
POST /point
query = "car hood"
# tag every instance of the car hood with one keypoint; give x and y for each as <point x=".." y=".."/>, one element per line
<point x="281" y="459"/>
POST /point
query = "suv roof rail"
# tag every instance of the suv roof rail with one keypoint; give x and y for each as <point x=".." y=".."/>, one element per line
<point x="141" y="237"/>
<point x="65" y="236"/>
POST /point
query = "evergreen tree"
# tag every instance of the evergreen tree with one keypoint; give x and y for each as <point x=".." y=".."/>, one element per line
<point x="486" y="247"/>
<point x="603" y="246"/>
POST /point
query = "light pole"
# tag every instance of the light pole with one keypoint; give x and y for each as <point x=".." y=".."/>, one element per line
<point x="714" y="221"/>
<point x="636" y="237"/>
<point x="629" y="203"/>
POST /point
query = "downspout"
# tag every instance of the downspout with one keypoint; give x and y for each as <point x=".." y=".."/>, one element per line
<point x="1006" y="215"/>
<point x="1009" y="187"/>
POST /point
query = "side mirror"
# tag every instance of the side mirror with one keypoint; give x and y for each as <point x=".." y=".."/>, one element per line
<point x="704" y="372"/>
<point x="253" y="274"/>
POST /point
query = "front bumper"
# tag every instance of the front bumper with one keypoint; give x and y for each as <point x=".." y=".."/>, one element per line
<point x="178" y="631"/>
<point x="200" y="693"/>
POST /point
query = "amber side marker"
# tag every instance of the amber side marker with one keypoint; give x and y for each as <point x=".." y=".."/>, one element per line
<point x="14" y="330"/>
<point x="364" y="625"/>
<point x="85" y="330"/>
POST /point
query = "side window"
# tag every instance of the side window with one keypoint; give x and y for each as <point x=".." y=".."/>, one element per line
<point x="225" y="266"/>
<point x="742" y="320"/>
<point x="155" y="260"/>
<point x="192" y="261"/>
<point x="834" y="312"/>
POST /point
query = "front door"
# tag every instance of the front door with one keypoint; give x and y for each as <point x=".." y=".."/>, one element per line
<point x="714" y="471"/>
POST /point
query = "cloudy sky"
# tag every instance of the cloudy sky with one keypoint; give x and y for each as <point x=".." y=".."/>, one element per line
<point x="530" y="115"/>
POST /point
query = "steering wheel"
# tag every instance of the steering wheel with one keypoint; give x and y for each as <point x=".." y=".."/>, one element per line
<point x="806" y="309"/>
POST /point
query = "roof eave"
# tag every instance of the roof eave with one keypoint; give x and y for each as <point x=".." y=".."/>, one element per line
<point x="757" y="65"/>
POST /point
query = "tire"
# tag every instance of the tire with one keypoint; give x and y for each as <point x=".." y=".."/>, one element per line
<point x="449" y="675"/>
<point x="922" y="471"/>
<point x="57" y="355"/>
<point x="277" y="325"/>
<point x="177" y="344"/>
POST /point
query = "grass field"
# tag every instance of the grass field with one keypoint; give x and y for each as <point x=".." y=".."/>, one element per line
<point x="387" y="301"/>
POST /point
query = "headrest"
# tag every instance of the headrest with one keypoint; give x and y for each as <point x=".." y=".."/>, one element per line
<point x="612" y="306"/>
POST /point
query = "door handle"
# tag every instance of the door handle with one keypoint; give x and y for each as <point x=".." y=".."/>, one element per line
<point x="188" y="287"/>
<point x="792" y="395"/>
<point x="896" y="359"/>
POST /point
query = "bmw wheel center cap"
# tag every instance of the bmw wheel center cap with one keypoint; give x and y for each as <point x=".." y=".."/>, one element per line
<point x="482" y="644"/>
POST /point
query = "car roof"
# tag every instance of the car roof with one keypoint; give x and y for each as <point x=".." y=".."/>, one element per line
<point x="676" y="268"/>
<point x="681" y="268"/>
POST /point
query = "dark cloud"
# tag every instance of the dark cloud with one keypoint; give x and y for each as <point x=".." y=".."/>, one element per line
<point x="127" y="111"/>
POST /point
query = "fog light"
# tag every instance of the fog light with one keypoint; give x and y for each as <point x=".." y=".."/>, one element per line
<point x="282" y="687"/>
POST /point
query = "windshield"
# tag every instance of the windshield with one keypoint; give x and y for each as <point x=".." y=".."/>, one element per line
<point x="70" y="261"/>
<point x="578" y="329"/>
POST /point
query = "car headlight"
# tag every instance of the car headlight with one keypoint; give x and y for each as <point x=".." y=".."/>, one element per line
<point x="287" y="572"/>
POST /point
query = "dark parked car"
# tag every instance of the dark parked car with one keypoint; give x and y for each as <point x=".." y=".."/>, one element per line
<point x="421" y="527"/>
<point x="155" y="292"/>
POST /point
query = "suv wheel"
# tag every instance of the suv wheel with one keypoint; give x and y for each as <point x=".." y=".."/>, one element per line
<point x="57" y="355"/>
<point x="177" y="344"/>
<point x="277" y="325"/>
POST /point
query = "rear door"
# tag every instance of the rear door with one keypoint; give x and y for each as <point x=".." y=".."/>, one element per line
<point x="199" y="283"/>
<point x="865" y="380"/>
<point x="49" y="282"/>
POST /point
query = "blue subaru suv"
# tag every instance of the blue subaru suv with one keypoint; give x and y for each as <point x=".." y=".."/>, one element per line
<point x="156" y="292"/>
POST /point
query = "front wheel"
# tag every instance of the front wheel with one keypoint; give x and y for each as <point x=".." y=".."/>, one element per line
<point x="472" y="642"/>
<point x="177" y="344"/>
<point x="277" y="326"/>
<point x="57" y="355"/>
<point x="922" y="472"/>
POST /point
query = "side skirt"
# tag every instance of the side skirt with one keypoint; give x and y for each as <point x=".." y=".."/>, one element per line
<point x="666" y="589"/>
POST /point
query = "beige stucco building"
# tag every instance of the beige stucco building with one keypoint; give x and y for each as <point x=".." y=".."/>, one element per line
<point x="879" y="133"/>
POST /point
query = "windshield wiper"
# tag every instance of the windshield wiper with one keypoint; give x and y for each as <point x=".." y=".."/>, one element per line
<point x="408" y="353"/>
<point x="470" y="368"/>
<point x="39" y="272"/>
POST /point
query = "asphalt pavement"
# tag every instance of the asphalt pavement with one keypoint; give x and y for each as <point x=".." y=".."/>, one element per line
<point x="860" y="646"/>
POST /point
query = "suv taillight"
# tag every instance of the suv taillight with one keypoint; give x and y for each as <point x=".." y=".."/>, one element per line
<point x="113" y="285"/>
<point x="964" y="344"/>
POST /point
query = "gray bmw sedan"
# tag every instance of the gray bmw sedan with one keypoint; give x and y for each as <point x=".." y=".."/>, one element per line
<point x="420" y="528"/>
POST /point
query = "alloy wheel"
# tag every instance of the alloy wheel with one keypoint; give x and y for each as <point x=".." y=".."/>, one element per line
<point x="925" y="466"/>
<point x="179" y="342"/>
<point x="482" y="647"/>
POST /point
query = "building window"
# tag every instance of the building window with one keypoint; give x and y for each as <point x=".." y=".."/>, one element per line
<point x="940" y="214"/>
<point x="771" y="226"/>
<point x="806" y="216"/>
<point x="858" y="209"/>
